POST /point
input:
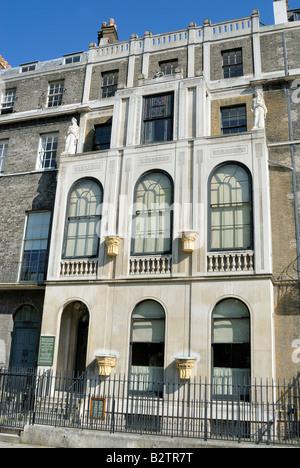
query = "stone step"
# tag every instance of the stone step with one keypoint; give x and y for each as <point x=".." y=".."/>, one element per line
<point x="13" y="438"/>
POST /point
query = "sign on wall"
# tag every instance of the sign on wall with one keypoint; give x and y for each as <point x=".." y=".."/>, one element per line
<point x="46" y="351"/>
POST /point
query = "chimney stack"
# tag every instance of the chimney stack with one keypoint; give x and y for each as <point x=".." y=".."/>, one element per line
<point x="281" y="8"/>
<point x="108" y="33"/>
<point x="3" y="64"/>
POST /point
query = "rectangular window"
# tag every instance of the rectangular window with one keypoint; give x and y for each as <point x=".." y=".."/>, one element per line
<point x="47" y="152"/>
<point x="109" y="83"/>
<point x="168" y="67"/>
<point x="55" y="95"/>
<point x="33" y="266"/>
<point x="233" y="120"/>
<point x="3" y="152"/>
<point x="28" y="67"/>
<point x="73" y="59"/>
<point x="7" y="101"/>
<point x="232" y="63"/>
<point x="102" y="137"/>
<point x="158" y="118"/>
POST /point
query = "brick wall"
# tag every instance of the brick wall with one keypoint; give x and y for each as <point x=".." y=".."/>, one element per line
<point x="216" y="50"/>
<point x="95" y="89"/>
<point x="33" y="93"/>
<point x="23" y="141"/>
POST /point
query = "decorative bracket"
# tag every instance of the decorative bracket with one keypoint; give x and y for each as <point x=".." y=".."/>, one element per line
<point x="189" y="240"/>
<point x="105" y="363"/>
<point x="113" y="243"/>
<point x="185" y="366"/>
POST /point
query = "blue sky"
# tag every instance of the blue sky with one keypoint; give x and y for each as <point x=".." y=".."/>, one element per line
<point x="39" y="30"/>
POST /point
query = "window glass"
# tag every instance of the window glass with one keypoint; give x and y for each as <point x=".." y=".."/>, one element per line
<point x="7" y="101"/>
<point x="153" y="214"/>
<point x="47" y="152"/>
<point x="102" y="137"/>
<point x="84" y="210"/>
<point x="230" y="208"/>
<point x="233" y="120"/>
<point x="55" y="94"/>
<point x="109" y="83"/>
<point x="147" y="347"/>
<point x="231" y="348"/>
<point x="33" y="265"/>
<point x="232" y="63"/>
<point x="158" y="118"/>
<point x="3" y="152"/>
<point x="168" y="67"/>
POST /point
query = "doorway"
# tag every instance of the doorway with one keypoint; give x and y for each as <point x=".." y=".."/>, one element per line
<point x="73" y="340"/>
<point x="25" y="338"/>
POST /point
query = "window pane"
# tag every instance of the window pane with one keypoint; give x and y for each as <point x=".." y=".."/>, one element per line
<point x="152" y="224"/>
<point x="35" y="247"/>
<point x="84" y="215"/>
<point x="230" y="208"/>
<point x="158" y="118"/>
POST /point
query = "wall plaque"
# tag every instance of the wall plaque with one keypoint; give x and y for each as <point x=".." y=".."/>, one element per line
<point x="46" y="351"/>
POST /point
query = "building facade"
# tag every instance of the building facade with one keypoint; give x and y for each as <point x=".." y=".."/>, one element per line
<point x="150" y="226"/>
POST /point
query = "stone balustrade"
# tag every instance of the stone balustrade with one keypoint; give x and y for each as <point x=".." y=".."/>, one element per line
<point x="150" y="265"/>
<point x="79" y="268"/>
<point x="228" y="262"/>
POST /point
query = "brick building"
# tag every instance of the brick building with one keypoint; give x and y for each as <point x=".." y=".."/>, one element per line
<point x="151" y="220"/>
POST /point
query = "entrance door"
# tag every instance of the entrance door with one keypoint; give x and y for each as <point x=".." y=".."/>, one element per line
<point x="25" y="338"/>
<point x="73" y="339"/>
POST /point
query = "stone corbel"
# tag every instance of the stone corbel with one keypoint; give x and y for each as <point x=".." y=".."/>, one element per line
<point x="113" y="243"/>
<point x="189" y="241"/>
<point x="105" y="363"/>
<point x="185" y="366"/>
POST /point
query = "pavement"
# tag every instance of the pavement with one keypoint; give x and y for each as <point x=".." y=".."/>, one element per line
<point x="13" y="441"/>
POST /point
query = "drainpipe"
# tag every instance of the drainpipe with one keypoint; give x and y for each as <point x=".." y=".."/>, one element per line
<point x="292" y="157"/>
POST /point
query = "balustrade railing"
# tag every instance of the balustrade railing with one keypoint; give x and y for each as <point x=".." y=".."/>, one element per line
<point x="228" y="262"/>
<point x="150" y="265"/>
<point x="76" y="268"/>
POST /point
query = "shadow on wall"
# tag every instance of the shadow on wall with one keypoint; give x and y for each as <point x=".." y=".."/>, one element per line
<point x="46" y="189"/>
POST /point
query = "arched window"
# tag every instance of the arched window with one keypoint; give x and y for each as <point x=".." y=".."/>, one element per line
<point x="147" y="345"/>
<point x="230" y="208"/>
<point x="83" y="216"/>
<point x="152" y="226"/>
<point x="231" y="356"/>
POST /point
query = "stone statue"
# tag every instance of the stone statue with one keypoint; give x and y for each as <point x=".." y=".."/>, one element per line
<point x="259" y="109"/>
<point x="72" y="137"/>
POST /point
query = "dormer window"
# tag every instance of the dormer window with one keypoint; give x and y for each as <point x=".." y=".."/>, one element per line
<point x="27" y="67"/>
<point x="74" y="58"/>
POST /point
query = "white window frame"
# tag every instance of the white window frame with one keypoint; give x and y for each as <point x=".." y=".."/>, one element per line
<point x="48" y="144"/>
<point x="3" y="153"/>
<point x="55" y="94"/>
<point x="74" y="58"/>
<point x="28" y="67"/>
<point x="8" y="100"/>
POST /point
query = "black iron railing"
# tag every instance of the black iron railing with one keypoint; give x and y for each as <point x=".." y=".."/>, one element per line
<point x="181" y="409"/>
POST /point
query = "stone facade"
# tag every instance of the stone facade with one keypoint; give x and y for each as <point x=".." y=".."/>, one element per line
<point x="187" y="283"/>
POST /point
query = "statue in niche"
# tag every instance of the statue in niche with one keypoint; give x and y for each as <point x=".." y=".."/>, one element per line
<point x="259" y="109"/>
<point x="72" y="137"/>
